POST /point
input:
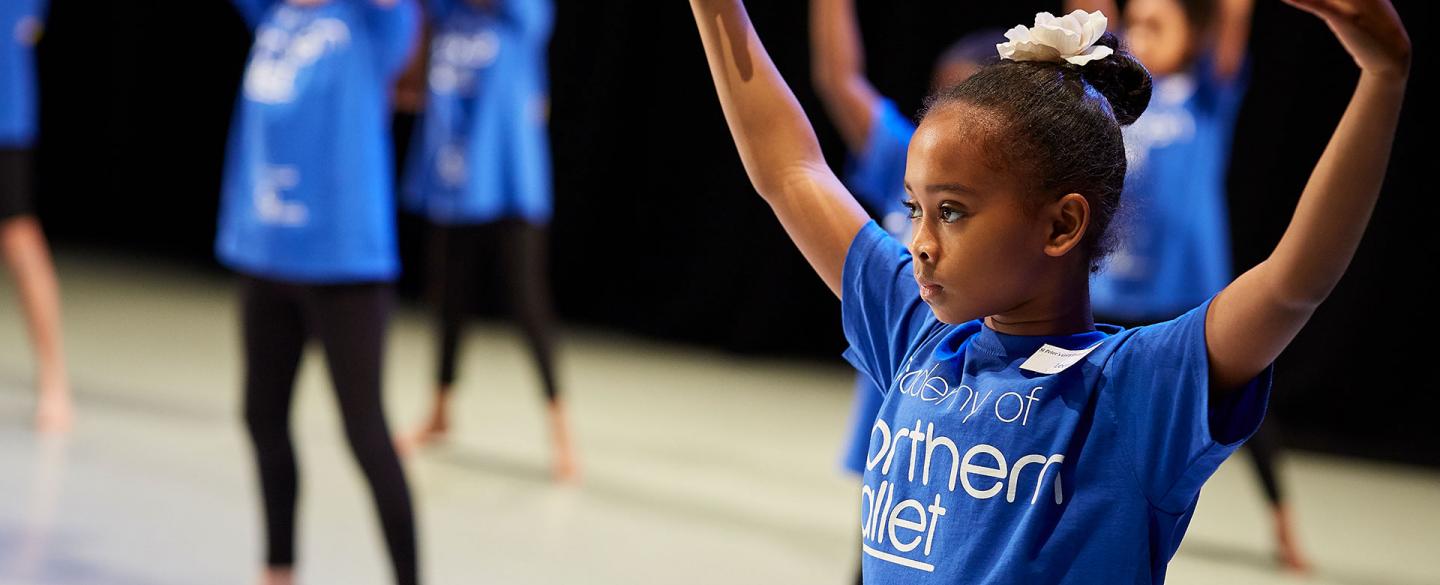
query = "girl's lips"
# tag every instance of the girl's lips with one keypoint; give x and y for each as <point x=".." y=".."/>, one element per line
<point x="928" y="289"/>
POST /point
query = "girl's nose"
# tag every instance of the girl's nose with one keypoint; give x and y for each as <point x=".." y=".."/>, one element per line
<point x="922" y="246"/>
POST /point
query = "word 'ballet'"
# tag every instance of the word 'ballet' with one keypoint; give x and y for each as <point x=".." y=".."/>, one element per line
<point x="983" y="472"/>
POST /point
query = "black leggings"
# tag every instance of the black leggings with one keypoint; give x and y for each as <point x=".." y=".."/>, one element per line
<point x="522" y="251"/>
<point x="349" y="321"/>
<point x="1264" y="448"/>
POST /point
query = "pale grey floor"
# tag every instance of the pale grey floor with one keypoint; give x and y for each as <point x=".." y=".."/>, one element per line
<point x="699" y="467"/>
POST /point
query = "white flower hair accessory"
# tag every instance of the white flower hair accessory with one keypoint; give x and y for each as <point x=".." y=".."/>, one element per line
<point x="1069" y="38"/>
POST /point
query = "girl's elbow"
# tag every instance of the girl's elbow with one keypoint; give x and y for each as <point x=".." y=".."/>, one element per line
<point x="782" y="184"/>
<point x="1300" y="297"/>
<point x="1292" y="291"/>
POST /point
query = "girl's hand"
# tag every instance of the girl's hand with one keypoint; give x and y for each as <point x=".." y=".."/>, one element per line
<point x="1369" y="29"/>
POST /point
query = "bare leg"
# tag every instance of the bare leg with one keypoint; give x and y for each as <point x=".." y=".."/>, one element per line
<point x="1285" y="542"/>
<point x="28" y="258"/>
<point x="278" y="576"/>
<point x="431" y="430"/>
<point x="565" y="467"/>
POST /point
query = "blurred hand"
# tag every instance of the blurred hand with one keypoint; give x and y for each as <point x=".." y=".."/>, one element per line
<point x="1369" y="29"/>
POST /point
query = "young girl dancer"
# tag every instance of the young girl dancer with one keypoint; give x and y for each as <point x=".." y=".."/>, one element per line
<point x="307" y="219"/>
<point x="21" y="240"/>
<point x="1018" y="442"/>
<point x="481" y="175"/>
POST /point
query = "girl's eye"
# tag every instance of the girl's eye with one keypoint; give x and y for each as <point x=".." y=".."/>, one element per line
<point x="950" y="214"/>
<point x="912" y="210"/>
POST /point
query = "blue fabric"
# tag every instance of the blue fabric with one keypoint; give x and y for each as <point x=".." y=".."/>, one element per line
<point x="979" y="472"/>
<point x="876" y="175"/>
<point x="1174" y="246"/>
<point x="308" y="192"/>
<point x="21" y="22"/>
<point x="482" y="150"/>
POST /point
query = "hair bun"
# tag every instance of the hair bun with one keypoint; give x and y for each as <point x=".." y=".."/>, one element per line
<point x="1121" y="78"/>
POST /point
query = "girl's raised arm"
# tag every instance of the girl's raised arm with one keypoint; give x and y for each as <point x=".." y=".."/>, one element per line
<point x="776" y="143"/>
<point x="1252" y="320"/>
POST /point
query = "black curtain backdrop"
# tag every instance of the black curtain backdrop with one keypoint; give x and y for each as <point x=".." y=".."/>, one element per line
<point x="658" y="233"/>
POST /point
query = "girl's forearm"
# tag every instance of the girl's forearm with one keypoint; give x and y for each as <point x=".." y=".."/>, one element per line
<point x="776" y="141"/>
<point x="1338" y="199"/>
<point x="1258" y="315"/>
<point x="770" y="129"/>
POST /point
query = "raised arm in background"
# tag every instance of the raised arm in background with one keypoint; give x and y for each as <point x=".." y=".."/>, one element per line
<point x="837" y="68"/>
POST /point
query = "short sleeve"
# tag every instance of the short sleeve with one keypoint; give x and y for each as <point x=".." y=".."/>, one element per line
<point x="253" y="11"/>
<point x="1158" y="382"/>
<point x="394" y="30"/>
<point x="880" y="305"/>
<point x="877" y="174"/>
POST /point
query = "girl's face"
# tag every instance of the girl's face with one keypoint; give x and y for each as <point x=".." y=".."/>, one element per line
<point x="1159" y="34"/>
<point x="980" y="247"/>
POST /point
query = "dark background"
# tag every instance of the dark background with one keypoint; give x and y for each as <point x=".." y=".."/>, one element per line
<point x="658" y="233"/>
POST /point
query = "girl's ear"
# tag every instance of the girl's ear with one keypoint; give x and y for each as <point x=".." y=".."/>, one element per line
<point x="1068" y="218"/>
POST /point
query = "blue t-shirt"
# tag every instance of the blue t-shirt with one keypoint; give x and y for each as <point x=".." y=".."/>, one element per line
<point x="21" y="22"/>
<point x="983" y="473"/>
<point x="876" y="175"/>
<point x="482" y="151"/>
<point x="308" y="192"/>
<point x="1174" y="238"/>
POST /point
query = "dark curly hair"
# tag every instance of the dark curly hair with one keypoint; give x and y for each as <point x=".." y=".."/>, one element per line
<point x="1064" y="123"/>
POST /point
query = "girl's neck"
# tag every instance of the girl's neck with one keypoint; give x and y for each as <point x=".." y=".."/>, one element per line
<point x="1063" y="309"/>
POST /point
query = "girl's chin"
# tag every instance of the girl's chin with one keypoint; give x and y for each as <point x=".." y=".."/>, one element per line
<point x="951" y="316"/>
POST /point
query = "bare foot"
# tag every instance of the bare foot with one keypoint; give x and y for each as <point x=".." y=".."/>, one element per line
<point x="277" y="576"/>
<point x="1289" y="551"/>
<point x="54" y="413"/>
<point x="432" y="430"/>
<point x="565" y="466"/>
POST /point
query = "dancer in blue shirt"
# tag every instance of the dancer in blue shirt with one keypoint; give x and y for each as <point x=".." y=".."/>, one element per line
<point x="1018" y="441"/>
<point x="307" y="218"/>
<point x="479" y="172"/>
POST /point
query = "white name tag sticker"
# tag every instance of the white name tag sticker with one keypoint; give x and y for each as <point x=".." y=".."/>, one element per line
<point x="1053" y="360"/>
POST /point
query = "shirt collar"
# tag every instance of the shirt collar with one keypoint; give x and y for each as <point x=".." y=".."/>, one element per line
<point x="980" y="336"/>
